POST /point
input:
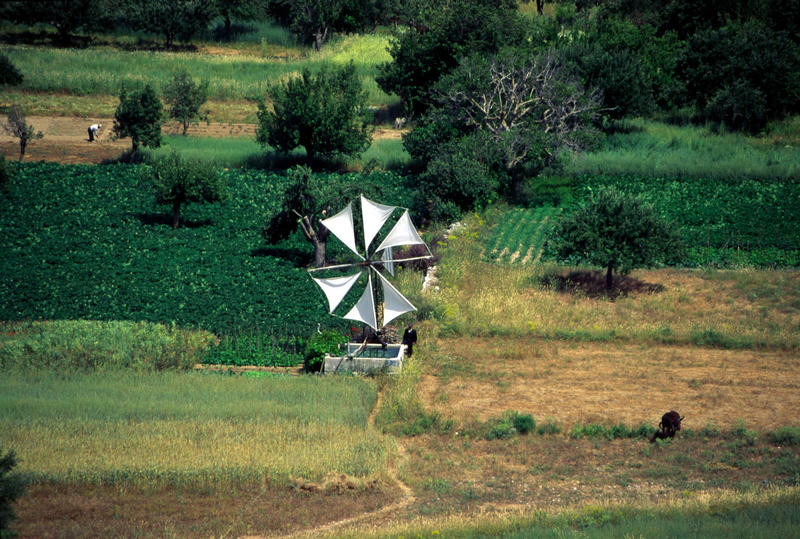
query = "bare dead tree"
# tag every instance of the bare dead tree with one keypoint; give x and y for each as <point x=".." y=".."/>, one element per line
<point x="506" y="97"/>
<point x="17" y="126"/>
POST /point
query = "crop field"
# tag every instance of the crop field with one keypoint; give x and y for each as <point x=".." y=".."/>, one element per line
<point x="89" y="242"/>
<point x="231" y="77"/>
<point x="724" y="223"/>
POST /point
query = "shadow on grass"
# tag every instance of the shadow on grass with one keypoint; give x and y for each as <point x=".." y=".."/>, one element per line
<point x="165" y="219"/>
<point x="592" y="284"/>
<point x="296" y="256"/>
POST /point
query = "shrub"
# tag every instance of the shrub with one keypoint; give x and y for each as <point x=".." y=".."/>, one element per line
<point x="8" y="73"/>
<point x="785" y="436"/>
<point x="320" y="344"/>
<point x="509" y="424"/>
<point x="12" y="486"/>
<point x="550" y="427"/>
<point x="84" y="345"/>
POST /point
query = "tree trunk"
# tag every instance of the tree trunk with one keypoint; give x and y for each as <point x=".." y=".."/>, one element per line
<point x="176" y="213"/>
<point x="22" y="144"/>
<point x="540" y="6"/>
<point x="320" y="240"/>
<point x="609" y="278"/>
<point x="319" y="38"/>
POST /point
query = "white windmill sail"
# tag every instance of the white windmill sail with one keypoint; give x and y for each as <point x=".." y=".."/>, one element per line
<point x="394" y="303"/>
<point x="364" y="310"/>
<point x="403" y="233"/>
<point x="386" y="258"/>
<point x="336" y="288"/>
<point x="341" y="225"/>
<point x="374" y="216"/>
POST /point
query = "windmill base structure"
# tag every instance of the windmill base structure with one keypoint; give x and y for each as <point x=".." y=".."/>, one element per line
<point x="372" y="359"/>
<point x="338" y="280"/>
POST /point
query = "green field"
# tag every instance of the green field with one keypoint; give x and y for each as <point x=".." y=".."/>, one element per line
<point x="88" y="242"/>
<point x="188" y="430"/>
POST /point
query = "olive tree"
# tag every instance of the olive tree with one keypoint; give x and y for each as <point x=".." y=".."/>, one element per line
<point x="177" y="181"/>
<point x="139" y="116"/>
<point x="17" y="126"/>
<point x="185" y="97"/>
<point x="616" y="231"/>
<point x="12" y="486"/>
<point x="323" y="112"/>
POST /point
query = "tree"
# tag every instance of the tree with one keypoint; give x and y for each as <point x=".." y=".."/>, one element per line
<point x="243" y="9"/>
<point x="313" y="21"/>
<point x="17" y="126"/>
<point x="139" y="116"/>
<point x="9" y="74"/>
<point x="67" y="16"/>
<point x="12" y="486"/>
<point x="310" y="197"/>
<point x="177" y="181"/>
<point x="616" y="231"/>
<point x="435" y="42"/>
<point x="322" y="112"/>
<point x="185" y="99"/>
<point x="174" y="19"/>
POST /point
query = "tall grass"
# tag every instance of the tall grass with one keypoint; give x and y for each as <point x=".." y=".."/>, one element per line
<point x="70" y="345"/>
<point x="105" y="71"/>
<point x="190" y="430"/>
<point x="480" y="298"/>
<point x="654" y="149"/>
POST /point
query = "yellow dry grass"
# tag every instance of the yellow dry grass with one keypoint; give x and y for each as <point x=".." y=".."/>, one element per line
<point x="610" y="383"/>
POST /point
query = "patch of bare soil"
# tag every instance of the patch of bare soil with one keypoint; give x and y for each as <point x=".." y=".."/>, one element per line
<point x="610" y="383"/>
<point x="97" y="511"/>
<point x="66" y="139"/>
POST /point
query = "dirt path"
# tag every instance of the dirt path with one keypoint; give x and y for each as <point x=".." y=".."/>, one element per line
<point x="66" y="139"/>
<point x="374" y="518"/>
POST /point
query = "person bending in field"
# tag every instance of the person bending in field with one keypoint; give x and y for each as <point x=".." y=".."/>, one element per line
<point x="93" y="129"/>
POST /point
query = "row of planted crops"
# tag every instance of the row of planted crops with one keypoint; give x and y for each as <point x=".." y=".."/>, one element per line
<point x="88" y="242"/>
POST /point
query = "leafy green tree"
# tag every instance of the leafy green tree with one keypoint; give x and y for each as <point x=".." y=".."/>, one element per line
<point x="139" y="116"/>
<point x="443" y="33"/>
<point x="313" y="21"/>
<point x="742" y="75"/>
<point x="616" y="231"/>
<point x="12" y="486"/>
<point x="177" y="181"/>
<point x="9" y="74"/>
<point x="67" y="16"/>
<point x="310" y="197"/>
<point x="17" y="126"/>
<point x="241" y="9"/>
<point x="185" y="97"/>
<point x="323" y="112"/>
<point x="174" y="19"/>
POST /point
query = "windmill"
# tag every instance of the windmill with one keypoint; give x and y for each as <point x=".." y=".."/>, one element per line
<point x="373" y="216"/>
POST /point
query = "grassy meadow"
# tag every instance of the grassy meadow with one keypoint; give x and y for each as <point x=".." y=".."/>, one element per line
<point x="106" y="312"/>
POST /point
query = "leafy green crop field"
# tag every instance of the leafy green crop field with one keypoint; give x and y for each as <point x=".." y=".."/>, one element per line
<point x="88" y="242"/>
<point x="725" y="223"/>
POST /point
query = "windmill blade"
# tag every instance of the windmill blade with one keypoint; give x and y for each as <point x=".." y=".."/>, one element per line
<point x="388" y="263"/>
<point x="336" y="288"/>
<point x="374" y="216"/>
<point x="394" y="303"/>
<point x="364" y="310"/>
<point x="403" y="233"/>
<point x="341" y="225"/>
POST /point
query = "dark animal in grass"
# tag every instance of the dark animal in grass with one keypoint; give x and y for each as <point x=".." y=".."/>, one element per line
<point x="670" y="424"/>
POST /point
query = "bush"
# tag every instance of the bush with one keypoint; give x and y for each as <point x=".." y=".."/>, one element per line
<point x="84" y="345"/>
<point x="12" y="486"/>
<point x="320" y="344"/>
<point x="510" y="424"/>
<point x="8" y="73"/>
<point x="785" y="436"/>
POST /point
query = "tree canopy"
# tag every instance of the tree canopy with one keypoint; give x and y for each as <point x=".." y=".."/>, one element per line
<point x="139" y="116"/>
<point x="323" y="112"/>
<point x="616" y="231"/>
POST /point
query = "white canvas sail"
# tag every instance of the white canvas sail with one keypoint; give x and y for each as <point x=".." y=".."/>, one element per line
<point x="374" y="216"/>
<point x="386" y="258"/>
<point x="336" y="288"/>
<point x="364" y="310"/>
<point x="341" y="225"/>
<point x="403" y="233"/>
<point x="394" y="303"/>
